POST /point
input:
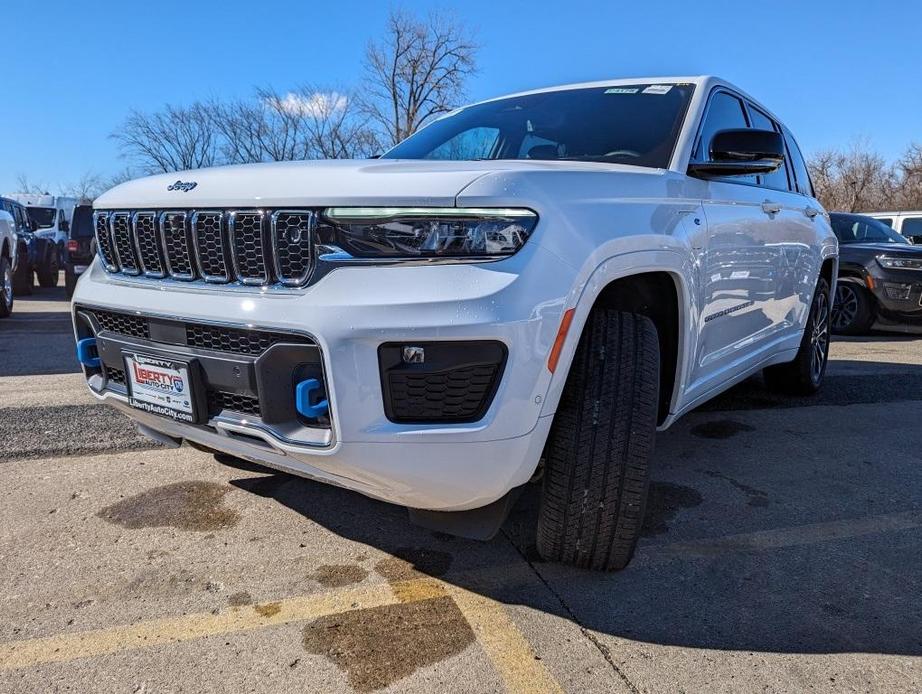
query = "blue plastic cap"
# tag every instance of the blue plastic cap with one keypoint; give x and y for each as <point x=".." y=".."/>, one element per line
<point x="85" y="349"/>
<point x="303" y="392"/>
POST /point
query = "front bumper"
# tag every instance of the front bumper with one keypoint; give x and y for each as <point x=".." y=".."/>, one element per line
<point x="348" y="315"/>
<point x="899" y="295"/>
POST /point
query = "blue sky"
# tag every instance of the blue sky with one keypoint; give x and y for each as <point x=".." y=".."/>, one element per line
<point x="71" y="70"/>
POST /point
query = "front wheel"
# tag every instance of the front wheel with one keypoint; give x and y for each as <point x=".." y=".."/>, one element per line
<point x="597" y="457"/>
<point x="853" y="309"/>
<point x="804" y="375"/>
<point x="49" y="270"/>
<point x="6" y="287"/>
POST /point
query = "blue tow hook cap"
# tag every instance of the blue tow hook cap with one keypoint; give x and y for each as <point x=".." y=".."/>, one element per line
<point x="85" y="349"/>
<point x="303" y="392"/>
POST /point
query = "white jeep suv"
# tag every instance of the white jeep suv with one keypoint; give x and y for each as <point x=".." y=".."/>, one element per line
<point x="527" y="287"/>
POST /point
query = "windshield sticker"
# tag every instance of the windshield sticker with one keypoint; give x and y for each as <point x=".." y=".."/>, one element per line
<point x="658" y="89"/>
<point x="622" y="90"/>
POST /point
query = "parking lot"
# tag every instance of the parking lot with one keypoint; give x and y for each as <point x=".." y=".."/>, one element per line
<point x="782" y="553"/>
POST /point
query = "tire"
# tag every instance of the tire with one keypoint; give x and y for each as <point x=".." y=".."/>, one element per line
<point x="6" y="287"/>
<point x="853" y="310"/>
<point x="49" y="270"/>
<point x="804" y="375"/>
<point x="22" y="279"/>
<point x="70" y="280"/>
<point x="596" y="471"/>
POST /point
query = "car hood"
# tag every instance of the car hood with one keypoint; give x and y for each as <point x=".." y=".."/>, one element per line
<point x="895" y="249"/>
<point x="319" y="183"/>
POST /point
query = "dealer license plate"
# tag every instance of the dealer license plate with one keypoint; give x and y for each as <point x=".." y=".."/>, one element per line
<point x="160" y="386"/>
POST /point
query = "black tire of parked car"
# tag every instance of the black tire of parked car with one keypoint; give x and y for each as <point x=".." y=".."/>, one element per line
<point x="70" y="280"/>
<point x="804" y="375"/>
<point x="853" y="310"/>
<point x="597" y="457"/>
<point x="48" y="271"/>
<point x="6" y="287"/>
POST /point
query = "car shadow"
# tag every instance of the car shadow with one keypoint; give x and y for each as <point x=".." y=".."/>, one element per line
<point x="787" y="530"/>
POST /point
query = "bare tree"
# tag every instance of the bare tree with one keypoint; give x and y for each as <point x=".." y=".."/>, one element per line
<point x="86" y="188"/>
<point x="909" y="168"/>
<point x="853" y="180"/>
<point x="173" y="139"/>
<point x="24" y="185"/>
<point x="333" y="126"/>
<point x="417" y="71"/>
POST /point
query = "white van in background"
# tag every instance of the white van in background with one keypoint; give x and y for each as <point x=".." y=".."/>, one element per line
<point x="52" y="215"/>
<point x="909" y="223"/>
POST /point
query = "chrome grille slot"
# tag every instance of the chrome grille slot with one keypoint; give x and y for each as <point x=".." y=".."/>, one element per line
<point x="148" y="244"/>
<point x="248" y="247"/>
<point x="174" y="230"/>
<point x="120" y="224"/>
<point x="211" y="247"/>
<point x="252" y="247"/>
<point x="292" y="245"/>
<point x="104" y="241"/>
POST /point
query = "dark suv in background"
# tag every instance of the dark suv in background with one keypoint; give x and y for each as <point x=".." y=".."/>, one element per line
<point x="81" y="246"/>
<point x="33" y="251"/>
<point x="880" y="276"/>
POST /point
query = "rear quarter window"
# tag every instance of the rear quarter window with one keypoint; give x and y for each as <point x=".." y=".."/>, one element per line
<point x="912" y="226"/>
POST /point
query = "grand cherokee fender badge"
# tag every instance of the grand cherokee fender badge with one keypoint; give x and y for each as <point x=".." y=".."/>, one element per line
<point x="184" y="187"/>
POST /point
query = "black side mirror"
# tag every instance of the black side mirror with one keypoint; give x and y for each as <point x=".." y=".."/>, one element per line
<point x="34" y="224"/>
<point x="65" y="225"/>
<point x="741" y="152"/>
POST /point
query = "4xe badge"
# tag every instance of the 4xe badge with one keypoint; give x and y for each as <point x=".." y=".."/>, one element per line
<point x="185" y="187"/>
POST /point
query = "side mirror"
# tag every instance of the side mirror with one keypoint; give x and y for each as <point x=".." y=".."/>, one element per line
<point x="65" y="225"/>
<point x="741" y="152"/>
<point x="33" y="224"/>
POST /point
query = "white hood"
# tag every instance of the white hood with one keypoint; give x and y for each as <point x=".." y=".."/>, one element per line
<point x="309" y="184"/>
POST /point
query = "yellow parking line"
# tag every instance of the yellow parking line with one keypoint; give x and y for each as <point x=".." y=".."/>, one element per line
<point x="157" y="632"/>
<point x="512" y="655"/>
<point x="499" y="637"/>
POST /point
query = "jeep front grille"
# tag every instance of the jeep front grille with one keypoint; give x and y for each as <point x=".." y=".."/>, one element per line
<point x="250" y="247"/>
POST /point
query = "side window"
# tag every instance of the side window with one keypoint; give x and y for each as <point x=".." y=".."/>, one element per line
<point x="724" y="112"/>
<point x="886" y="220"/>
<point x="912" y="228"/>
<point x="798" y="165"/>
<point x="778" y="179"/>
<point x="476" y="143"/>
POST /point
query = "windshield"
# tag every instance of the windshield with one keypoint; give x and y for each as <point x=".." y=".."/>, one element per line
<point x="82" y="224"/>
<point x="853" y="228"/>
<point x="626" y="124"/>
<point x="43" y="216"/>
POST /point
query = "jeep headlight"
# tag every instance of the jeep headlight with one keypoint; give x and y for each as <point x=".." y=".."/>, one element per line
<point x="900" y="263"/>
<point x="428" y="232"/>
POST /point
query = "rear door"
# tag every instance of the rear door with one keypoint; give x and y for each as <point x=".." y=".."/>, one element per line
<point x="911" y="227"/>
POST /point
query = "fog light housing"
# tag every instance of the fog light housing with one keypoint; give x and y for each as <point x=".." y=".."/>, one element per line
<point x="898" y="291"/>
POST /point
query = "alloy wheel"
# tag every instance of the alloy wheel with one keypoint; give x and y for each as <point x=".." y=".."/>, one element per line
<point x="8" y="287"/>
<point x="819" y="336"/>
<point x="845" y="309"/>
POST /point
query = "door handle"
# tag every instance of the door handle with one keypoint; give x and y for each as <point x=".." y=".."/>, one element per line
<point x="811" y="212"/>
<point x="769" y="207"/>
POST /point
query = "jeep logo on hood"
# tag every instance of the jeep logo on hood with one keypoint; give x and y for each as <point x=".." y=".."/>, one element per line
<point x="184" y="187"/>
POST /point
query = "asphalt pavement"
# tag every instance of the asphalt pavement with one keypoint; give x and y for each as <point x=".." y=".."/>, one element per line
<point x="781" y="553"/>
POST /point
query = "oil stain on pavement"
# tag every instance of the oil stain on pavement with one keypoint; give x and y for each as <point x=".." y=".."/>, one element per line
<point x="664" y="502"/>
<point x="720" y="429"/>
<point x="240" y="599"/>
<point x="184" y="505"/>
<point x="339" y="575"/>
<point x="380" y="645"/>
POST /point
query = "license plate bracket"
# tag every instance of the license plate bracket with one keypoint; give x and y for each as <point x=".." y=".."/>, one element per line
<point x="165" y="386"/>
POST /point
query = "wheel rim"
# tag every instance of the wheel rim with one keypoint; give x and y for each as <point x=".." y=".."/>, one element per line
<point x="845" y="308"/>
<point x="819" y="336"/>
<point x="8" y="287"/>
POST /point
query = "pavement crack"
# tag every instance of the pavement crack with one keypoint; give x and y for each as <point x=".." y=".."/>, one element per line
<point x="604" y="650"/>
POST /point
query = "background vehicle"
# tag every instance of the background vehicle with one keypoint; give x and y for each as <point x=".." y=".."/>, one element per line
<point x="51" y="216"/>
<point x="81" y="246"/>
<point x="8" y="258"/>
<point x="536" y="280"/>
<point x="880" y="275"/>
<point x="32" y="250"/>
<point x="909" y="223"/>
